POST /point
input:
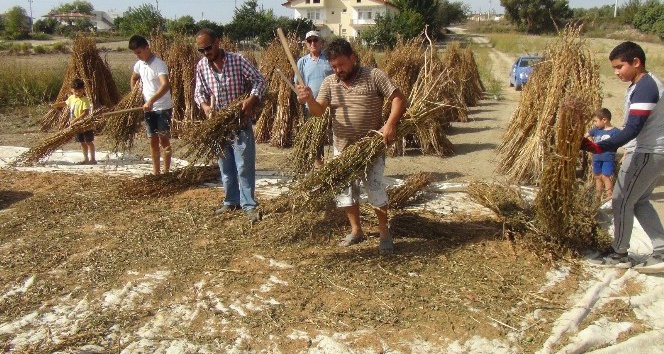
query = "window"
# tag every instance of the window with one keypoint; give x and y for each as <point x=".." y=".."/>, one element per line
<point x="344" y="10"/>
<point x="359" y="1"/>
<point x="316" y="1"/>
<point x="313" y="15"/>
<point x="343" y="31"/>
<point x="364" y="15"/>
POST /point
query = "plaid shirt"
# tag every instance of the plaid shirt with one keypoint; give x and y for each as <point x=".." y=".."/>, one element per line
<point x="237" y="75"/>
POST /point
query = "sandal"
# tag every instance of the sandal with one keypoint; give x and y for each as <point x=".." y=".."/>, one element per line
<point x="83" y="162"/>
<point x="350" y="240"/>
<point x="386" y="245"/>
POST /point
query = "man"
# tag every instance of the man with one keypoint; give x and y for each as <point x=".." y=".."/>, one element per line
<point x="221" y="78"/>
<point x="355" y="97"/>
<point x="314" y="67"/>
<point x="158" y="105"/>
<point x="642" y="167"/>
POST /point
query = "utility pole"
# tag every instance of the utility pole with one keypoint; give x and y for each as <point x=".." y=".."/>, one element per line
<point x="31" y="21"/>
<point x="615" y="10"/>
<point x="157" y="4"/>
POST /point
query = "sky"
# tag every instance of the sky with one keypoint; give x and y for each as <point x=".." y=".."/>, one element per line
<point x="221" y="11"/>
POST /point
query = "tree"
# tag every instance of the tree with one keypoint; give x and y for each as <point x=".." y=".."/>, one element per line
<point x="455" y="12"/>
<point x="537" y="16"/>
<point x="79" y="6"/>
<point x="248" y="22"/>
<point x="142" y="20"/>
<point x="46" y="25"/>
<point x="428" y="11"/>
<point x="183" y="25"/>
<point x="17" y="23"/>
<point x="217" y="28"/>
<point x="407" y="24"/>
<point x="650" y="17"/>
<point x="627" y="11"/>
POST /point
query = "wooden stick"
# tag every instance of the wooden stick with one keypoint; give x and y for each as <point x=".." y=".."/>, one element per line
<point x="284" y="44"/>
<point x="288" y="82"/>
<point x="128" y="110"/>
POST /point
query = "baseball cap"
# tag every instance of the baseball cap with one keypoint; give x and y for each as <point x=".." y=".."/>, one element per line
<point x="312" y="34"/>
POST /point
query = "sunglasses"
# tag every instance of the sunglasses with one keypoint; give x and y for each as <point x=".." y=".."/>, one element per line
<point x="312" y="40"/>
<point x="207" y="48"/>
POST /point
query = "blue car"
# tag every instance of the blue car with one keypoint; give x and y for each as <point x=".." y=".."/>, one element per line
<point x="521" y="70"/>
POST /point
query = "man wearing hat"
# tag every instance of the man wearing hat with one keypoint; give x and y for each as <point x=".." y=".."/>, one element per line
<point x="314" y="67"/>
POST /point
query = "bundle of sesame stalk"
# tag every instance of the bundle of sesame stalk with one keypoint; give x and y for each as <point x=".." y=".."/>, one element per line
<point x="408" y="191"/>
<point x="309" y="141"/>
<point x="47" y="146"/>
<point x="281" y="114"/>
<point x="166" y="184"/>
<point x="120" y="129"/>
<point x="314" y="190"/>
<point x="568" y="70"/>
<point x="206" y="140"/>
<point x="181" y="61"/>
<point x="87" y="65"/>
<point x="465" y="72"/>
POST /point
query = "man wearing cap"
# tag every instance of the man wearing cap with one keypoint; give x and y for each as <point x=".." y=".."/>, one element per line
<point x="314" y="67"/>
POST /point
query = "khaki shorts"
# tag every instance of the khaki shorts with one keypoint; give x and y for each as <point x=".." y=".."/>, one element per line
<point x="373" y="184"/>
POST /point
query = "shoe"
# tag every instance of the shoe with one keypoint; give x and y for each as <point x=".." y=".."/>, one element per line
<point x="611" y="259"/>
<point x="225" y="209"/>
<point x="253" y="215"/>
<point x="350" y="240"/>
<point x="654" y="264"/>
<point x="83" y="162"/>
<point x="386" y="245"/>
<point x="92" y="162"/>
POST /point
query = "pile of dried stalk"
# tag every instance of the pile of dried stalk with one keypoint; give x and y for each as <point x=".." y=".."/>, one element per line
<point x="281" y="115"/>
<point x="85" y="64"/>
<point x="181" y="61"/>
<point x="408" y="191"/>
<point x="205" y="141"/>
<point x="166" y="184"/>
<point x="120" y="129"/>
<point x="46" y="147"/>
<point x="466" y="74"/>
<point x="568" y="70"/>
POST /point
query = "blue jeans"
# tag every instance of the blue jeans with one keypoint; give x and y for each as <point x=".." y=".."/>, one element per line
<point x="238" y="170"/>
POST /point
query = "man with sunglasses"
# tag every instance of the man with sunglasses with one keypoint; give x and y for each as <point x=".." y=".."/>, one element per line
<point x="221" y="78"/>
<point x="314" y="67"/>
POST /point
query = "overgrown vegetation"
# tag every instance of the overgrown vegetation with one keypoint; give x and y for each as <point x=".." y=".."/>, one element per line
<point x="21" y="85"/>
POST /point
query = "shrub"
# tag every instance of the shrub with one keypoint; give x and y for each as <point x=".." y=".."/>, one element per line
<point x="39" y="49"/>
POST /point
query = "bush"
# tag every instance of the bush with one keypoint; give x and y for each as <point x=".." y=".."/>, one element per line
<point x="60" y="47"/>
<point x="40" y="36"/>
<point x="39" y="49"/>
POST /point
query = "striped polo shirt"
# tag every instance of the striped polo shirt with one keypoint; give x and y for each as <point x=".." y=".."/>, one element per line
<point x="358" y="108"/>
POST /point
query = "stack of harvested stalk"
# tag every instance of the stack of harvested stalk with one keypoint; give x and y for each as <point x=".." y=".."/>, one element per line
<point x="282" y="115"/>
<point x="120" y="129"/>
<point x="181" y="61"/>
<point x="47" y="146"/>
<point x="85" y="64"/>
<point x="314" y="190"/>
<point x="406" y="193"/>
<point x="569" y="70"/>
<point x="466" y="74"/>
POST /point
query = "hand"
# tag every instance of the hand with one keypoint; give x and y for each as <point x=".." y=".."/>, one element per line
<point x="590" y="146"/>
<point x="389" y="133"/>
<point x="304" y="93"/>
<point x="147" y="106"/>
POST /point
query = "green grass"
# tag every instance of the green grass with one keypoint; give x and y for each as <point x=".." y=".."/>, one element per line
<point x="22" y="85"/>
<point x="516" y="44"/>
<point x="494" y="87"/>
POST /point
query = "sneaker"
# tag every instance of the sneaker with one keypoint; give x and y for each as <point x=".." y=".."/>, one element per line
<point x="253" y="215"/>
<point x="654" y="264"/>
<point x="611" y="259"/>
<point x="225" y="209"/>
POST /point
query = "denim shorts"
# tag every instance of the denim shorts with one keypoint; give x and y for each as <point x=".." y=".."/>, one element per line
<point x="373" y="184"/>
<point x="158" y="122"/>
<point x="85" y="137"/>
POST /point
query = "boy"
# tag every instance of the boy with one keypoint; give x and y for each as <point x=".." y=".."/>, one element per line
<point x="638" y="176"/>
<point x="603" y="164"/>
<point x="158" y="105"/>
<point x="79" y="108"/>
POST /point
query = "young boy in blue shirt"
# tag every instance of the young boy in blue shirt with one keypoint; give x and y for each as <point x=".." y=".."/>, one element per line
<point x="604" y="164"/>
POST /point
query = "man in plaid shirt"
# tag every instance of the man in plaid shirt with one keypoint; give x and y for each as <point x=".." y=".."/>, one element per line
<point x="222" y="77"/>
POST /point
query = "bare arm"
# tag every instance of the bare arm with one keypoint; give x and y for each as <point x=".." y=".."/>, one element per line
<point x="305" y="95"/>
<point x="134" y="79"/>
<point x="61" y="104"/>
<point x="398" y="108"/>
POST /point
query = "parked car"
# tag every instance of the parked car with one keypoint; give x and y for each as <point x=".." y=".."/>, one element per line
<point x="521" y="70"/>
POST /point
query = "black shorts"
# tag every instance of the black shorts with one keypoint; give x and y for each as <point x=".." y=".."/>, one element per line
<point x="86" y="137"/>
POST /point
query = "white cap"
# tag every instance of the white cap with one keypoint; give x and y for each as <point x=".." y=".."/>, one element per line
<point x="312" y="34"/>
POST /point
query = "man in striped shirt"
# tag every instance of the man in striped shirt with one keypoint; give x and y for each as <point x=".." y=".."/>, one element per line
<point x="355" y="96"/>
<point x="641" y="169"/>
<point x="221" y="78"/>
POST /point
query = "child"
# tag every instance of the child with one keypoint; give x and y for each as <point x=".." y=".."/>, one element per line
<point x="638" y="175"/>
<point x="153" y="74"/>
<point x="79" y="108"/>
<point x="603" y="164"/>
